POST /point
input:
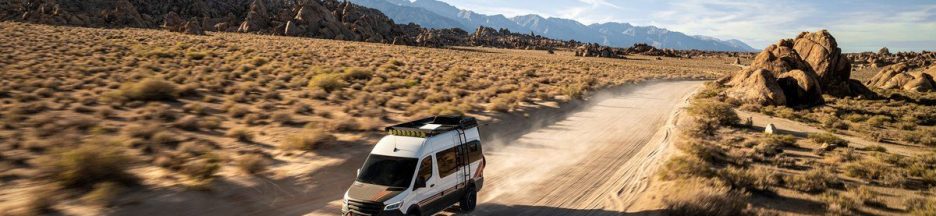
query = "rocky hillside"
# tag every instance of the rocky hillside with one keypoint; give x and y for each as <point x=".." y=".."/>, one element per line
<point x="329" y="19"/>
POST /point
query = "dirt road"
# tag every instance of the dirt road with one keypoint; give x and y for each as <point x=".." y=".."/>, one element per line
<point x="594" y="162"/>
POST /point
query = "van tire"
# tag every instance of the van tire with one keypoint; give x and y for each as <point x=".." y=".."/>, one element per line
<point x="469" y="201"/>
<point x="413" y="211"/>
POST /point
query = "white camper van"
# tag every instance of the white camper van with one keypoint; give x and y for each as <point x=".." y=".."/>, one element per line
<point x="420" y="168"/>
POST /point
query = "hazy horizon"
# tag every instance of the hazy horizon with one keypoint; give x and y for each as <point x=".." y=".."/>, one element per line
<point x="857" y="25"/>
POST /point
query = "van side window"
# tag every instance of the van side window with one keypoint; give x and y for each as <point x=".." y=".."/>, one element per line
<point x="474" y="151"/>
<point x="448" y="162"/>
<point x="425" y="168"/>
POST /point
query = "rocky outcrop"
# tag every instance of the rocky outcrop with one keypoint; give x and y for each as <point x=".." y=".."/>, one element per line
<point x="503" y="38"/>
<point x="821" y="52"/>
<point x="755" y="86"/>
<point x="793" y="65"/>
<point x="595" y="50"/>
<point x="801" y="88"/>
<point x="330" y="19"/>
<point x="779" y="58"/>
<point x="901" y="77"/>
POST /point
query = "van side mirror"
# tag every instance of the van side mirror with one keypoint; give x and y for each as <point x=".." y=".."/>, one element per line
<point x="420" y="183"/>
<point x="358" y="172"/>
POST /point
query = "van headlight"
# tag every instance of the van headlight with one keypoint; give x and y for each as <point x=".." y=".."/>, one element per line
<point x="393" y="206"/>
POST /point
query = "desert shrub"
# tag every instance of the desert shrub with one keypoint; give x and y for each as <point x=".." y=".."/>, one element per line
<point x="866" y="196"/>
<point x="709" y="115"/>
<point x="837" y="204"/>
<point x="813" y="181"/>
<point x="702" y="150"/>
<point x="241" y="134"/>
<point x="923" y="207"/>
<point x="444" y="109"/>
<point x="827" y="138"/>
<point x="875" y="148"/>
<point x="681" y="167"/>
<point x="150" y="90"/>
<point x="868" y="169"/>
<point x="355" y="73"/>
<point x="344" y="124"/>
<point x="94" y="161"/>
<point x="703" y="197"/>
<point x="878" y="121"/>
<point x="711" y="111"/>
<point x="327" y="82"/>
<point x="202" y="168"/>
<point x="756" y="179"/>
<point x="238" y="111"/>
<point x="500" y="104"/>
<point x="282" y="117"/>
<point x="309" y="139"/>
<point x="165" y="138"/>
<point x="769" y="147"/>
<point x="103" y="194"/>
<point x="251" y="163"/>
<point x="189" y="122"/>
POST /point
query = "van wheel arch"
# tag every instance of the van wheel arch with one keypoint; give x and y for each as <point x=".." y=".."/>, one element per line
<point x="413" y="211"/>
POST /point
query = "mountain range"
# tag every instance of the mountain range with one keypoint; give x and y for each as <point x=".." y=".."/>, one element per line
<point x="436" y="14"/>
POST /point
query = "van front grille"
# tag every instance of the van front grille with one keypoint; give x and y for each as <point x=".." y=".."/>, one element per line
<point x="364" y="207"/>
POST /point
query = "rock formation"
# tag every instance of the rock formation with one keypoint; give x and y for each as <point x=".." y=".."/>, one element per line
<point x="800" y="71"/>
<point x="503" y="38"/>
<point x="331" y="19"/>
<point x="755" y="86"/>
<point x="901" y="77"/>
<point x="821" y="51"/>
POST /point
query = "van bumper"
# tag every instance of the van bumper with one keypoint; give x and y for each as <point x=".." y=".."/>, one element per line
<point x="479" y="183"/>
<point x="381" y="213"/>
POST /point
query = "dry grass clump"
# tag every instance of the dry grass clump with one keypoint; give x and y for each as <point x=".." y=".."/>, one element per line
<point x="241" y="134"/>
<point x="251" y="163"/>
<point x="682" y="167"/>
<point x="92" y="162"/>
<point x="327" y="82"/>
<point x="307" y="140"/>
<point x="151" y="89"/>
<point x="704" y="197"/>
<point x="826" y="138"/>
<point x="813" y="181"/>
<point x="202" y="168"/>
<point x="709" y="115"/>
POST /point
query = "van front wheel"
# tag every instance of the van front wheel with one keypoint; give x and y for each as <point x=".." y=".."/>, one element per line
<point x="469" y="201"/>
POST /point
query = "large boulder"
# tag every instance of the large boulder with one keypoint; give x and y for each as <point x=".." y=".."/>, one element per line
<point x="821" y="52"/>
<point x="755" y="86"/>
<point x="779" y="58"/>
<point x="801" y="88"/>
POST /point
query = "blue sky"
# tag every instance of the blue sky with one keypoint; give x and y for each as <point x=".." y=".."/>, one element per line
<point x="858" y="25"/>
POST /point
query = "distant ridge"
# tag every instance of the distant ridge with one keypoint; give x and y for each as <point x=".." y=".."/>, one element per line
<point x="609" y="34"/>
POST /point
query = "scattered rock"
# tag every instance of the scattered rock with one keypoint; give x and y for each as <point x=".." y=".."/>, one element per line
<point x="770" y="129"/>
<point x="194" y="27"/>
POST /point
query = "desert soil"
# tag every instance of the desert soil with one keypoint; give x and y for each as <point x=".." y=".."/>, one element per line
<point x="597" y="161"/>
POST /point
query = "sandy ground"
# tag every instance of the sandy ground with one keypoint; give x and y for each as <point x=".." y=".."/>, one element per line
<point x="592" y="157"/>
<point x="597" y="161"/>
<point x="786" y="126"/>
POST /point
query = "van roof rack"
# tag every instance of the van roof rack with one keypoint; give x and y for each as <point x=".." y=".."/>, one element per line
<point x="432" y="126"/>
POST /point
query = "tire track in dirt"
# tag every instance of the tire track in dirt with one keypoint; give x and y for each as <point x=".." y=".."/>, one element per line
<point x="594" y="162"/>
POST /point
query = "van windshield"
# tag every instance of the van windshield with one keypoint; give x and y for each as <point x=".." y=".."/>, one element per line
<point x="388" y="171"/>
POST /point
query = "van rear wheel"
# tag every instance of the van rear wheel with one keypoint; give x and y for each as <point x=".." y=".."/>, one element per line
<point x="469" y="201"/>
